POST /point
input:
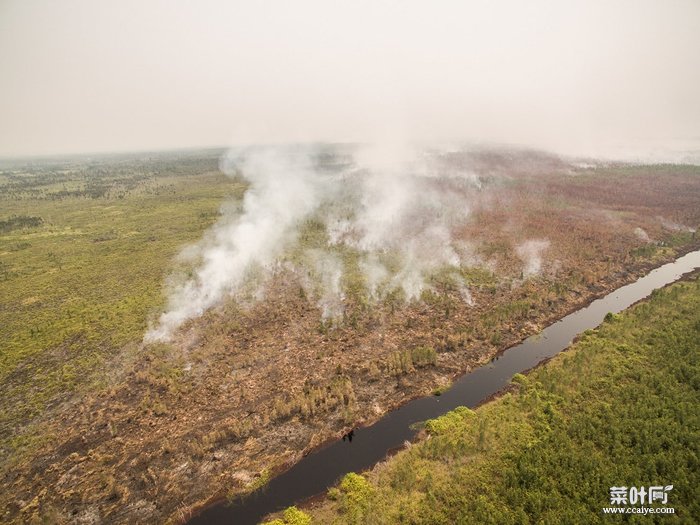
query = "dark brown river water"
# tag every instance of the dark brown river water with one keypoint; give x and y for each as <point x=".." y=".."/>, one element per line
<point x="323" y="468"/>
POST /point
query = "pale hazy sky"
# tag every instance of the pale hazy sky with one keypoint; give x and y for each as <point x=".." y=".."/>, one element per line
<point x="81" y="76"/>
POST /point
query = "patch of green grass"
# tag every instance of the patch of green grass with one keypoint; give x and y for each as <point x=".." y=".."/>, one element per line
<point x="620" y="408"/>
<point x="646" y="251"/>
<point x="259" y="482"/>
<point x="680" y="238"/>
<point x="406" y="361"/>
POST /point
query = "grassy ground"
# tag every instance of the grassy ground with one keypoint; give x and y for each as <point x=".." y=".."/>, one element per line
<point x="620" y="408"/>
<point x="82" y="262"/>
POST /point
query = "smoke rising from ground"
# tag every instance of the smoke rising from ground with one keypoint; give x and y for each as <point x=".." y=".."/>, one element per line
<point x="395" y="208"/>
<point x="531" y="253"/>
<point x="282" y="191"/>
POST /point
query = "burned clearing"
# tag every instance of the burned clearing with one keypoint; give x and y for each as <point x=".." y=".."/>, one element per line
<point x="97" y="423"/>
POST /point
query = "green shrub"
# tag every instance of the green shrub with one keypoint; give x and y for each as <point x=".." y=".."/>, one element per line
<point x="450" y="422"/>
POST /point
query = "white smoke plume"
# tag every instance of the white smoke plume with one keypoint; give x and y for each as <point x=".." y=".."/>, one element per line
<point x="642" y="235"/>
<point x="530" y="252"/>
<point x="674" y="226"/>
<point x="396" y="209"/>
<point x="283" y="189"/>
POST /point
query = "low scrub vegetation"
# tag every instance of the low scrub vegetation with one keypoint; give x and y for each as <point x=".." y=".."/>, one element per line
<point x="338" y="394"/>
<point x="81" y="274"/>
<point x="406" y="361"/>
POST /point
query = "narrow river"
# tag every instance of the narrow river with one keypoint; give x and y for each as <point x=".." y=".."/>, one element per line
<point x="321" y="469"/>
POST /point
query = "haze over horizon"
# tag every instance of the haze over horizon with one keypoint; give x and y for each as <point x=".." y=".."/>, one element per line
<point x="587" y="78"/>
